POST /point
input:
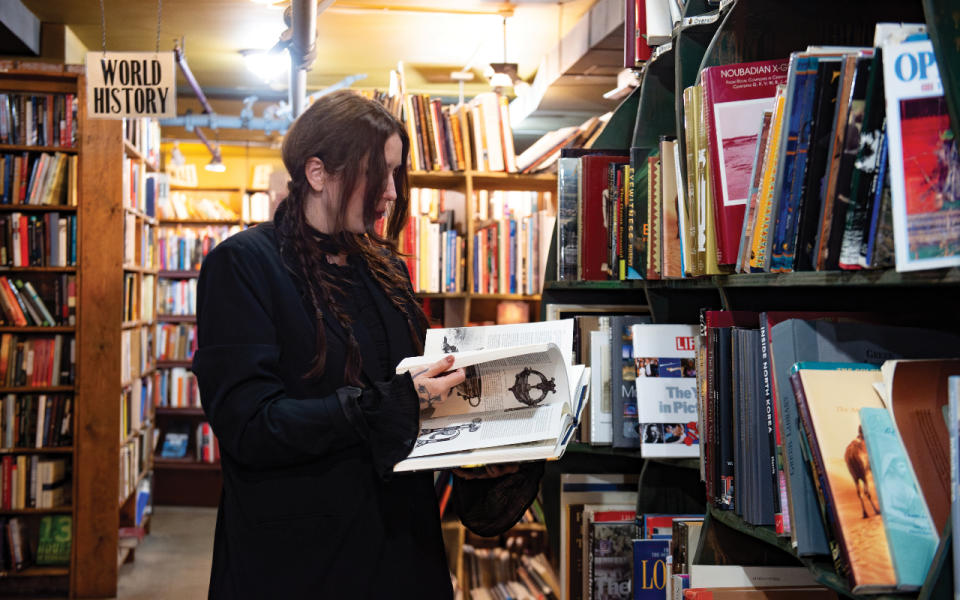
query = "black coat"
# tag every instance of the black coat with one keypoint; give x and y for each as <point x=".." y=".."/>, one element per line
<point x="304" y="513"/>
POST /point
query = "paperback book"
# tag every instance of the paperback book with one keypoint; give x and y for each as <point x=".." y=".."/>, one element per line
<point x="924" y="164"/>
<point x="665" y="361"/>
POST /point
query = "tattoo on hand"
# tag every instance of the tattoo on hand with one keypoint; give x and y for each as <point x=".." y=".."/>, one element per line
<point x="418" y="373"/>
<point x="426" y="397"/>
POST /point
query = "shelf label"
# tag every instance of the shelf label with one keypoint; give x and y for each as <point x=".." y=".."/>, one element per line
<point x="662" y="49"/>
<point x="123" y="85"/>
<point x="701" y="19"/>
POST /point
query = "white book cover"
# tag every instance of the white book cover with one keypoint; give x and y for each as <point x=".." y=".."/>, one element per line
<point x="601" y="408"/>
<point x="924" y="165"/>
<point x="736" y="576"/>
<point x="665" y="362"/>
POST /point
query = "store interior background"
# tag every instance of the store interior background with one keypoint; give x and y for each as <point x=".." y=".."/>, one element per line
<point x="568" y="55"/>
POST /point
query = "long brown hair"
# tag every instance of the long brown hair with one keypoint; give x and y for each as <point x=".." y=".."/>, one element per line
<point x="348" y="133"/>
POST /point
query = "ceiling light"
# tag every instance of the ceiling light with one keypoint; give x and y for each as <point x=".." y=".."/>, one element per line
<point x="176" y="156"/>
<point x="266" y="65"/>
<point x="501" y="80"/>
<point x="216" y="165"/>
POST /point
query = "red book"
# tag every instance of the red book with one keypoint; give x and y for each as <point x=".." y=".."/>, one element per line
<point x="735" y="97"/>
<point x="642" y="52"/>
<point x="593" y="232"/>
<point x="7" y="479"/>
<point x="24" y="242"/>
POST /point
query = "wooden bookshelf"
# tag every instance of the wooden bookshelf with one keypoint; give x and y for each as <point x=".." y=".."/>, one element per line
<point x="465" y="306"/>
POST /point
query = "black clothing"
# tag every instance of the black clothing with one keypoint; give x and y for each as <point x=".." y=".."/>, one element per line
<point x="310" y="507"/>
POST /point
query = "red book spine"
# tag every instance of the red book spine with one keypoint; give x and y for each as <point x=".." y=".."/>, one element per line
<point x="594" y="235"/>
<point x="7" y="480"/>
<point x="24" y="242"/>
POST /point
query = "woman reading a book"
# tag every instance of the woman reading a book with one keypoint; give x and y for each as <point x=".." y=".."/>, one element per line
<point x="301" y="323"/>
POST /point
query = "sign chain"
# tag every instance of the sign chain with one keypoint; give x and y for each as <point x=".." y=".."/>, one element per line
<point x="103" y="27"/>
<point x="159" y="13"/>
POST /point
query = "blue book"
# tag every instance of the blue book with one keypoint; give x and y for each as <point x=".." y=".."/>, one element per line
<point x="650" y="569"/>
<point x="911" y="535"/>
<point x="790" y="178"/>
<point x="512" y="257"/>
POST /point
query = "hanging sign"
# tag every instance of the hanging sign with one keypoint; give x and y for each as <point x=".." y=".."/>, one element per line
<point x="131" y="84"/>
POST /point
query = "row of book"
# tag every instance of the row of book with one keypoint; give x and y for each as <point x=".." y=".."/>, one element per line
<point x="176" y="388"/>
<point x="136" y="348"/>
<point x="134" y="459"/>
<point x="144" y="136"/>
<point x="783" y="165"/>
<point x="184" y="248"/>
<point x="610" y="550"/>
<point x="38" y="179"/>
<point x="499" y="573"/>
<point x="135" y="402"/>
<point x="177" y="297"/>
<point x="22" y="303"/>
<point x="176" y="341"/>
<point x="780" y="449"/>
<point x="38" y="119"/>
<point x="53" y="535"/>
<point x="199" y="205"/>
<point x="31" y="481"/>
<point x="30" y="360"/>
<point x="256" y="207"/>
<point x="36" y="421"/>
<point x="472" y="136"/>
<point x="47" y="240"/>
<point x="138" y="295"/>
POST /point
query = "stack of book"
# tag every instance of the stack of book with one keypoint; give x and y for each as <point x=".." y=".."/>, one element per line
<point x="814" y="425"/>
<point x="433" y="242"/>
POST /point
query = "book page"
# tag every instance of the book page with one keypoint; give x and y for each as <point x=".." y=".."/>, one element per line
<point x="457" y="433"/>
<point x="460" y="339"/>
<point x="507" y="384"/>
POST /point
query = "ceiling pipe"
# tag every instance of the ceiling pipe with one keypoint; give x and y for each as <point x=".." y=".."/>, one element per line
<point x="214" y="150"/>
<point x="188" y="74"/>
<point x="303" y="50"/>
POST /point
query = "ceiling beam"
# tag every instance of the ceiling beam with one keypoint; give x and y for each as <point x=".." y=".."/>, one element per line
<point x="19" y="29"/>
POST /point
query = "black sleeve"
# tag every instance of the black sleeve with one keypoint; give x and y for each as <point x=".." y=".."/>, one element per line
<point x="488" y="507"/>
<point x="237" y="365"/>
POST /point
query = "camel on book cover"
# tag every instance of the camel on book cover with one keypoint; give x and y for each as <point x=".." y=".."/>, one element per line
<point x="859" y="466"/>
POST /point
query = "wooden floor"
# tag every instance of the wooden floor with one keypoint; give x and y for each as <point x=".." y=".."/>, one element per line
<point x="173" y="562"/>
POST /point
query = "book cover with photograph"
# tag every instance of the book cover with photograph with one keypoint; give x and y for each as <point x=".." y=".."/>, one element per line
<point x="829" y="399"/>
<point x="664" y="357"/>
<point x="924" y="164"/>
<point x="735" y="97"/>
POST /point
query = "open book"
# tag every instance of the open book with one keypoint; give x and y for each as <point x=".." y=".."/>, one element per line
<point x="520" y="401"/>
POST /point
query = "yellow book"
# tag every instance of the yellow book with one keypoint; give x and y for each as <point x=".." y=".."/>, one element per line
<point x="702" y="187"/>
<point x="760" y="244"/>
<point x="689" y="198"/>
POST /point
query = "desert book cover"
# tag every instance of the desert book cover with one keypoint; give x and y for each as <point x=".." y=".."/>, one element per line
<point x="833" y="394"/>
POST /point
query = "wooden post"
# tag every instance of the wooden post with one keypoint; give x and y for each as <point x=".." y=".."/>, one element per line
<point x="100" y="251"/>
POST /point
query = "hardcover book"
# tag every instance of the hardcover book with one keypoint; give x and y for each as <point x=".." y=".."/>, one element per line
<point x="735" y="97"/>
<point x="910" y="533"/>
<point x="623" y="392"/>
<point x="519" y="402"/>
<point x="829" y="398"/>
<point x="594" y="200"/>
<point x="649" y="569"/>
<point x="54" y="539"/>
<point x="610" y="546"/>
<point x="924" y="163"/>
<point x="664" y="358"/>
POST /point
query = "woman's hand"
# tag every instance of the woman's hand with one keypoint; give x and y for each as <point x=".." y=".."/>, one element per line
<point x="487" y="472"/>
<point x="433" y="384"/>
